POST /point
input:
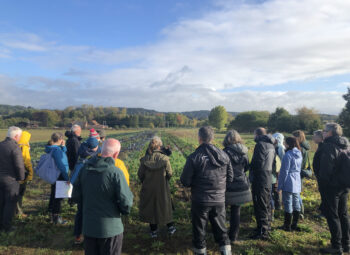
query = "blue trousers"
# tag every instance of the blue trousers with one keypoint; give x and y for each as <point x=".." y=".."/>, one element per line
<point x="291" y="201"/>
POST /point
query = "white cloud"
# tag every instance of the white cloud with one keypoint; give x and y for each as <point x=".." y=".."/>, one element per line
<point x="234" y="45"/>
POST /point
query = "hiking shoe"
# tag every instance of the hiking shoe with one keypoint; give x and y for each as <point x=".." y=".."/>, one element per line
<point x="171" y="230"/>
<point x="154" y="234"/>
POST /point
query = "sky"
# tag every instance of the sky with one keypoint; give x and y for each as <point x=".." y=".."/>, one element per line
<point x="176" y="55"/>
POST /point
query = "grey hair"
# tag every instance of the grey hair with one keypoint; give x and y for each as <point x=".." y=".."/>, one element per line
<point x="206" y="134"/>
<point x="13" y="131"/>
<point x="110" y="147"/>
<point x="154" y="144"/>
<point x="75" y="127"/>
<point x="232" y="137"/>
<point x="318" y="133"/>
<point x="335" y="128"/>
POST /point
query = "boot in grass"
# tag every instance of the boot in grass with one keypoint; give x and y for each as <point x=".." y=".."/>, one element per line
<point x="296" y="216"/>
<point x="287" y="221"/>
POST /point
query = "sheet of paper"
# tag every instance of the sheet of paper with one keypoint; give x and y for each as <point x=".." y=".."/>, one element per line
<point x="63" y="190"/>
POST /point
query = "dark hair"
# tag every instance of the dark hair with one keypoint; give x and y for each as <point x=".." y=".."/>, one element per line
<point x="260" y="131"/>
<point x="232" y="137"/>
<point x="292" y="142"/>
<point x="206" y="134"/>
<point x="55" y="137"/>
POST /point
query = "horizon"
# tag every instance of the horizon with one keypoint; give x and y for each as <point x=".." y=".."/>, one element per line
<point x="176" y="56"/>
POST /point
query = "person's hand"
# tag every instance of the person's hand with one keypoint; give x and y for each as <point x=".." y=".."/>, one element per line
<point x="63" y="143"/>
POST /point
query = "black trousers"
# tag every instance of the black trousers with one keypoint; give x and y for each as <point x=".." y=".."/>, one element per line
<point x="22" y="189"/>
<point x="334" y="203"/>
<point x="235" y="220"/>
<point x="216" y="215"/>
<point x="103" y="246"/>
<point x="9" y="192"/>
<point x="55" y="203"/>
<point x="262" y="207"/>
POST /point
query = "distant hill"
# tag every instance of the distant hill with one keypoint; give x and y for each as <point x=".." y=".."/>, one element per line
<point x="10" y="109"/>
<point x="203" y="114"/>
<point x="328" y="117"/>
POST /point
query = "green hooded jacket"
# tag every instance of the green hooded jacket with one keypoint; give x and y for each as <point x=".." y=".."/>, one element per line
<point x="105" y="195"/>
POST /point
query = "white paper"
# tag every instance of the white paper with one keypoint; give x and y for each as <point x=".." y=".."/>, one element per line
<point x="63" y="190"/>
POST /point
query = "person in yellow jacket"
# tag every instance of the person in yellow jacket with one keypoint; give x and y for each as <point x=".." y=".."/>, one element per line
<point x="120" y="164"/>
<point x="25" y="147"/>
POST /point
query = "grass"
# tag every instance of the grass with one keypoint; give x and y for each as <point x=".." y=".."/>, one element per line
<point x="36" y="235"/>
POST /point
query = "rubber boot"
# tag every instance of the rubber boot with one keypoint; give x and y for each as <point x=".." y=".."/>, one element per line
<point x="225" y="250"/>
<point x="296" y="216"/>
<point x="287" y="221"/>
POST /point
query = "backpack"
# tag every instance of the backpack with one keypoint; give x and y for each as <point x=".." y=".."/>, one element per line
<point x="47" y="169"/>
<point x="343" y="168"/>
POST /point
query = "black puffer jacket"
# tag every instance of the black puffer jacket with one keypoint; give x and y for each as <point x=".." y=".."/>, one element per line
<point x="329" y="160"/>
<point x="72" y="144"/>
<point x="316" y="163"/>
<point x="206" y="171"/>
<point x="240" y="164"/>
<point x="262" y="161"/>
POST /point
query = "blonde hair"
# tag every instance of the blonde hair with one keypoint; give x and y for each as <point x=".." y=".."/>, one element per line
<point x="300" y="135"/>
<point x="154" y="144"/>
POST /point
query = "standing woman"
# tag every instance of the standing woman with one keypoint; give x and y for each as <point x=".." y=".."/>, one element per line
<point x="237" y="191"/>
<point x="289" y="182"/>
<point x="305" y="166"/>
<point x="155" y="198"/>
<point x="57" y="147"/>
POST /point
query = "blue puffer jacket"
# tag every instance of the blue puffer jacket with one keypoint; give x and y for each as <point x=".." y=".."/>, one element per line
<point x="60" y="157"/>
<point x="289" y="178"/>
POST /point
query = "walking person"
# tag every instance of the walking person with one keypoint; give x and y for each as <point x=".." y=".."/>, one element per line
<point x="206" y="171"/>
<point x="11" y="172"/>
<point x="105" y="196"/>
<point x="261" y="177"/>
<point x="56" y="146"/>
<point x="25" y="148"/>
<point x="73" y="145"/>
<point x="289" y="182"/>
<point x="305" y="166"/>
<point x="155" y="198"/>
<point x="334" y="195"/>
<point x="237" y="191"/>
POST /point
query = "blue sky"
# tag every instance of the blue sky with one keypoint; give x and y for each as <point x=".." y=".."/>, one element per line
<point x="173" y="55"/>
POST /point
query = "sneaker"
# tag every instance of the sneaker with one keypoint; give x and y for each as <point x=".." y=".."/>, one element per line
<point x="154" y="234"/>
<point x="171" y="230"/>
<point x="58" y="220"/>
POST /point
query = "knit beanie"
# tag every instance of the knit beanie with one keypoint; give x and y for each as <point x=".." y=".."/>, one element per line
<point x="94" y="134"/>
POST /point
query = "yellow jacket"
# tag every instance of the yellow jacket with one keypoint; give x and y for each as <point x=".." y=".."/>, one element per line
<point x="120" y="164"/>
<point x="24" y="145"/>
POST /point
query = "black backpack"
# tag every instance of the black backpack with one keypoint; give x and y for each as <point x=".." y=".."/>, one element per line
<point x="343" y="168"/>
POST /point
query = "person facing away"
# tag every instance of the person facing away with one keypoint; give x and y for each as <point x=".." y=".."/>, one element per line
<point x="261" y="177"/>
<point x="280" y="150"/>
<point x="25" y="148"/>
<point x="102" y="189"/>
<point x="155" y="198"/>
<point x="73" y="144"/>
<point x="11" y="172"/>
<point x="206" y="171"/>
<point x="87" y="150"/>
<point x="56" y="146"/>
<point x="237" y="191"/>
<point x="289" y="182"/>
<point x="334" y="196"/>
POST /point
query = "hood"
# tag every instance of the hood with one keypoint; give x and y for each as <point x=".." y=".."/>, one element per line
<point x="305" y="145"/>
<point x="25" y="138"/>
<point x="71" y="134"/>
<point x="156" y="161"/>
<point x="216" y="156"/>
<point x="238" y="148"/>
<point x="295" y="153"/>
<point x="279" y="138"/>
<point x="340" y="141"/>
<point x="99" y="164"/>
<point x="265" y="139"/>
<point x="50" y="148"/>
<point x="84" y="151"/>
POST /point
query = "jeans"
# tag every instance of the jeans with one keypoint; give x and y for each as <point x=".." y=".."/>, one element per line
<point x="291" y="201"/>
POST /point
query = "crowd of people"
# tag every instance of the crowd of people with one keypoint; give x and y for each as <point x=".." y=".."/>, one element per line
<point x="217" y="178"/>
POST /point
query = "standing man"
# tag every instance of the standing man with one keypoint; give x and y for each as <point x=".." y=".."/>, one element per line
<point x="334" y="196"/>
<point x="102" y="189"/>
<point x="73" y="144"/>
<point x="206" y="172"/>
<point x="11" y="172"/>
<point x="261" y="178"/>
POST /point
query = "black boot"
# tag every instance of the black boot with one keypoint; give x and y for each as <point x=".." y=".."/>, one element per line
<point x="296" y="216"/>
<point x="287" y="221"/>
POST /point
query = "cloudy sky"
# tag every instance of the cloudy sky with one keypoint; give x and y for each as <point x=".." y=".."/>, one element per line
<point x="176" y="55"/>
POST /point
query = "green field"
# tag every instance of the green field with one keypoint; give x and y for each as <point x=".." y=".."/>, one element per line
<point x="35" y="234"/>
